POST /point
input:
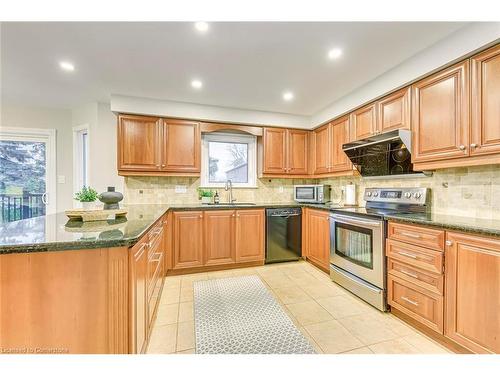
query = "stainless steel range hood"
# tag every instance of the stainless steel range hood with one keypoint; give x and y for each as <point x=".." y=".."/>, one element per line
<point x="383" y="155"/>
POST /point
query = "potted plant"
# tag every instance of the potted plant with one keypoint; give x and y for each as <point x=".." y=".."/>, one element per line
<point x="205" y="195"/>
<point x="87" y="196"/>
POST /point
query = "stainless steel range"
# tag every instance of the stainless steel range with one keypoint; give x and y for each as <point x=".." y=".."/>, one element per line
<point x="357" y="240"/>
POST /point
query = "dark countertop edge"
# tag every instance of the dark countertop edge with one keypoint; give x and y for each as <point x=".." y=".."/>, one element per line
<point x="491" y="232"/>
<point x="129" y="242"/>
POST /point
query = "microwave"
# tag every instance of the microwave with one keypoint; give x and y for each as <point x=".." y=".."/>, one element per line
<point x="311" y="193"/>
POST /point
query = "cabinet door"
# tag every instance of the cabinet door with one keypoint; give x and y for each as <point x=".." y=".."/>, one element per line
<point x="274" y="150"/>
<point x="440" y="110"/>
<point x="188" y="239"/>
<point x="472" y="273"/>
<point x="138" y="143"/>
<point x="322" y="149"/>
<point x="181" y="146"/>
<point x="297" y="151"/>
<point x="364" y="122"/>
<point x="219" y="237"/>
<point x="485" y="100"/>
<point x="249" y="235"/>
<point x="340" y="135"/>
<point x="138" y="291"/>
<point x="394" y="111"/>
<point x="318" y="249"/>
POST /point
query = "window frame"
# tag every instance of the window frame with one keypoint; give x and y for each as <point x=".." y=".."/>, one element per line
<point x="226" y="137"/>
<point x="79" y="174"/>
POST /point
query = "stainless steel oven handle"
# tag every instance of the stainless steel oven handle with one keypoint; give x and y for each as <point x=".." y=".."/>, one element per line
<point x="352" y="221"/>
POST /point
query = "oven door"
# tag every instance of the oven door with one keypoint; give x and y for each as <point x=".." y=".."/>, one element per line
<point x="357" y="246"/>
<point x="306" y="193"/>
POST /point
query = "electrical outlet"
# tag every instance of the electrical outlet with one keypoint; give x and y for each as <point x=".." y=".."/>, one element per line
<point x="281" y="189"/>
<point x="61" y="179"/>
<point x="180" y="189"/>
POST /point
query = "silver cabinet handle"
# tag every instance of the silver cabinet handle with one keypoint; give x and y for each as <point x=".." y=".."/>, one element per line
<point x="407" y="255"/>
<point x="414" y="303"/>
<point x="449" y="243"/>
<point x="462" y="147"/>
<point x="412" y="235"/>
<point x="415" y="276"/>
<point x="473" y="145"/>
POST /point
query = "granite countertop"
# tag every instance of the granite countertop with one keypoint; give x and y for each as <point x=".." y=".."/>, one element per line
<point x="489" y="227"/>
<point x="55" y="232"/>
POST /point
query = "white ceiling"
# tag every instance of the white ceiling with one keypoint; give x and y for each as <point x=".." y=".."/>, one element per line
<point x="242" y="65"/>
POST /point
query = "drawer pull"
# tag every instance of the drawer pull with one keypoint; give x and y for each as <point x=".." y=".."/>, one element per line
<point x="415" y="276"/>
<point x="407" y="255"/>
<point x="414" y="303"/>
<point x="412" y="235"/>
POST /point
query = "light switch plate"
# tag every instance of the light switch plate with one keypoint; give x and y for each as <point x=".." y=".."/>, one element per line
<point x="61" y="179"/>
<point x="180" y="189"/>
<point x="280" y="189"/>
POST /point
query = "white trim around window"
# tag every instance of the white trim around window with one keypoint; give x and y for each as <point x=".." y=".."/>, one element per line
<point x="81" y="166"/>
<point x="48" y="136"/>
<point x="250" y="140"/>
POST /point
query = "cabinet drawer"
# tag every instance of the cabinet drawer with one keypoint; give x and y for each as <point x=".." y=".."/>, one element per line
<point x="155" y="266"/>
<point x="432" y="282"/>
<point x="425" y="307"/>
<point x="428" y="260"/>
<point x="421" y="236"/>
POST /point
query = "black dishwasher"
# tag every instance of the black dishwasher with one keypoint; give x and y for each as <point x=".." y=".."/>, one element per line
<point x="283" y="234"/>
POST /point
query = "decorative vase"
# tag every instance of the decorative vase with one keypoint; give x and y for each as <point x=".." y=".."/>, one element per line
<point x="88" y="205"/>
<point x="111" y="198"/>
<point x="206" y="200"/>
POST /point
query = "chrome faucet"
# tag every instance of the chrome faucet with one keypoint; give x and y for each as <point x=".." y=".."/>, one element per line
<point x="229" y="186"/>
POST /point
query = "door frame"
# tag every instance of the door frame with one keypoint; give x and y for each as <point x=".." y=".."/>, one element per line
<point x="41" y="135"/>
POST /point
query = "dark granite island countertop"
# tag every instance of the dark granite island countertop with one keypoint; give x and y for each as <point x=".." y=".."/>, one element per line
<point x="490" y="227"/>
<point x="56" y="232"/>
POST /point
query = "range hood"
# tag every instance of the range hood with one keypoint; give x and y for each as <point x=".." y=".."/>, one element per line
<point x="383" y="155"/>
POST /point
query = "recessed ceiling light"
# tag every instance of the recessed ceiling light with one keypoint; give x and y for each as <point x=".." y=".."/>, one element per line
<point x="334" y="53"/>
<point x="288" y="96"/>
<point x="64" y="65"/>
<point x="196" y="83"/>
<point x="201" y="26"/>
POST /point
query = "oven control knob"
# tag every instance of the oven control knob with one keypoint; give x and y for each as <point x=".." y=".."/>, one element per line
<point x="369" y="193"/>
<point x="417" y="195"/>
<point x="408" y="195"/>
<point x="375" y="194"/>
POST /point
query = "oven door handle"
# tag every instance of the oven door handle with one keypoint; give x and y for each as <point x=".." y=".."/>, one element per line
<point x="352" y="221"/>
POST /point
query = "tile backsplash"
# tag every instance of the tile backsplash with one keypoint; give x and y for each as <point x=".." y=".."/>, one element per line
<point x="471" y="191"/>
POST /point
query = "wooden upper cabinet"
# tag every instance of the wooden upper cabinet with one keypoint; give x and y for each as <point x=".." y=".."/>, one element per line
<point x="138" y="143"/>
<point x="394" y="111"/>
<point x="275" y="150"/>
<point x="297" y="151"/>
<point x="249" y="235"/>
<point x="472" y="284"/>
<point x="219" y="237"/>
<point x="322" y="149"/>
<point x="364" y="122"/>
<point x="181" y="146"/>
<point x="340" y="135"/>
<point x="485" y="101"/>
<point x="188" y="239"/>
<point x="285" y="151"/>
<point x="440" y="115"/>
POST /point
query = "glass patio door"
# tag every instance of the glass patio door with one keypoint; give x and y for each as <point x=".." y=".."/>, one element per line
<point x="26" y="190"/>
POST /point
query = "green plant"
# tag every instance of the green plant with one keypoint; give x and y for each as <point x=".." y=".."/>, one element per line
<point x="87" y="194"/>
<point x="205" y="193"/>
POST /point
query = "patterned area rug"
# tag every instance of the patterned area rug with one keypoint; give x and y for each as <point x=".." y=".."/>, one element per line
<point x="238" y="315"/>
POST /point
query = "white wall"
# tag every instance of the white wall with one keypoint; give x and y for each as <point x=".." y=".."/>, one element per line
<point x="16" y="115"/>
<point x="458" y="44"/>
<point x="156" y="107"/>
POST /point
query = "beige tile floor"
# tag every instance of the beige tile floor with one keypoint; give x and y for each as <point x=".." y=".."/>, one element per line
<point x="332" y="319"/>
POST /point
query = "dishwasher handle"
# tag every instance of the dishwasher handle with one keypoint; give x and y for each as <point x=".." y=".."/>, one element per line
<point x="285" y="216"/>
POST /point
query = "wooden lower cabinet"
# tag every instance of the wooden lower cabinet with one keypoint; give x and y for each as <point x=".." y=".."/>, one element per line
<point x="138" y="297"/>
<point x="188" y="239"/>
<point x="318" y="238"/>
<point x="218" y="227"/>
<point x="249" y="235"/>
<point x="473" y="292"/>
